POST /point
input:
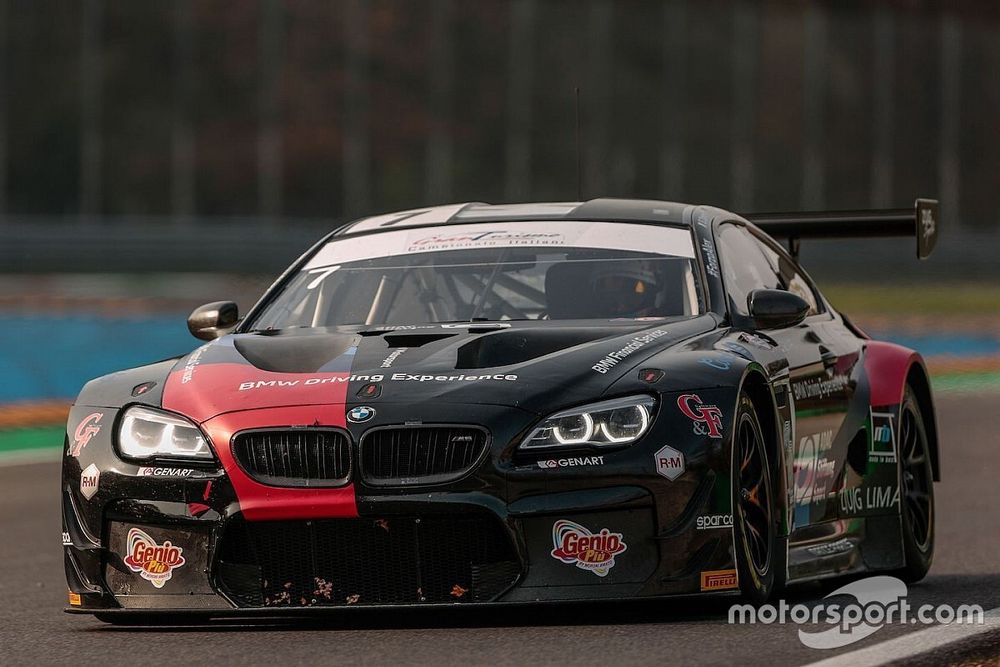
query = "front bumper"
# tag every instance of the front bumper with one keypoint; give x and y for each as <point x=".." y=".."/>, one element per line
<point x="510" y="532"/>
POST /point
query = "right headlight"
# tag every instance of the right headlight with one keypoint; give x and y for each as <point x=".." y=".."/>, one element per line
<point x="145" y="433"/>
<point x="612" y="423"/>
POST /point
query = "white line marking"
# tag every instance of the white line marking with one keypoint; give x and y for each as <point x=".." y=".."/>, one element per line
<point x="30" y="456"/>
<point x="912" y="644"/>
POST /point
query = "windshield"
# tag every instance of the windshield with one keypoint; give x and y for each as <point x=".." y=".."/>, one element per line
<point x="541" y="270"/>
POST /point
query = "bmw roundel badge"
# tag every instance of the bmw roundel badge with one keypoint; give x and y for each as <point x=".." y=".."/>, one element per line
<point x="360" y="414"/>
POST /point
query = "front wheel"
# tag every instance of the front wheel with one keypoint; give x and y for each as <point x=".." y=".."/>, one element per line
<point x="760" y="553"/>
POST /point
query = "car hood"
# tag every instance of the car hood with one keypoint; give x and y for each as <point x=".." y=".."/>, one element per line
<point x="535" y="366"/>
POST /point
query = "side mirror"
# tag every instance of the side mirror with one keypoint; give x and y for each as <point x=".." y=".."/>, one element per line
<point x="776" y="309"/>
<point x="212" y="320"/>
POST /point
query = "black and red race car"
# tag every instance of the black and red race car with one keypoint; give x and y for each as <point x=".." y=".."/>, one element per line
<point x="526" y="403"/>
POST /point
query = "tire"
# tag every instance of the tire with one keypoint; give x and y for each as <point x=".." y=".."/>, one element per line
<point x="916" y="494"/>
<point x="760" y="552"/>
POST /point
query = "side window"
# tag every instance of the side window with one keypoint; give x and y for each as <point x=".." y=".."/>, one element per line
<point x="745" y="265"/>
<point x="791" y="279"/>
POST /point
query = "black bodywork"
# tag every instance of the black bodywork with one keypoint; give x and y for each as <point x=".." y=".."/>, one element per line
<point x="481" y="529"/>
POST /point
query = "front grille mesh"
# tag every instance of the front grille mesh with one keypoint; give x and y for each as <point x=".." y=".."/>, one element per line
<point x="420" y="454"/>
<point x="295" y="457"/>
<point x="396" y="560"/>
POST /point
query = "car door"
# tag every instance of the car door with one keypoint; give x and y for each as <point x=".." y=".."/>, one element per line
<point x="818" y="394"/>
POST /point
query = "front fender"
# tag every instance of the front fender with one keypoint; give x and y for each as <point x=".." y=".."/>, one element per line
<point x="717" y="368"/>
<point x="143" y="384"/>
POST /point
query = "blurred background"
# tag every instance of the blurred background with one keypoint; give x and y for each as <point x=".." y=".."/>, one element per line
<point x="154" y="156"/>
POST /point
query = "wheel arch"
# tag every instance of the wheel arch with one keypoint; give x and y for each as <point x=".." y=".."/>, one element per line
<point x="917" y="378"/>
<point x="758" y="388"/>
<point x="890" y="368"/>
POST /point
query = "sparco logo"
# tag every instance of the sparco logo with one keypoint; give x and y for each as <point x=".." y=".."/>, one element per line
<point x="707" y="418"/>
<point x="88" y="428"/>
<point x="575" y="544"/>
<point x="715" y="521"/>
<point x="154" y="562"/>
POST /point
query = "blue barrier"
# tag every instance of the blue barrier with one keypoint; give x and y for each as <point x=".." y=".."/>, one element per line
<point x="46" y="356"/>
<point x="939" y="344"/>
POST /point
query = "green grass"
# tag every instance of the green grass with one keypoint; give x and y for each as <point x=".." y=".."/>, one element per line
<point x="947" y="299"/>
<point x="42" y="437"/>
<point x="967" y="382"/>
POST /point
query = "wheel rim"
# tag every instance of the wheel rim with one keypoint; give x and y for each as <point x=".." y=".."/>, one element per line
<point x="916" y="480"/>
<point x="754" y="501"/>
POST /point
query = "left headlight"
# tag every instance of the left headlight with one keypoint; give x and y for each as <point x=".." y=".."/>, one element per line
<point x="145" y="433"/>
<point x="620" y="421"/>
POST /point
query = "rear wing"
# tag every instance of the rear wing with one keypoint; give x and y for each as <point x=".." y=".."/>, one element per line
<point x="920" y="221"/>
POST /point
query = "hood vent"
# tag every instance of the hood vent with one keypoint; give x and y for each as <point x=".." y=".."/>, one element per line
<point x="294" y="352"/>
<point x="515" y="347"/>
<point x="415" y="339"/>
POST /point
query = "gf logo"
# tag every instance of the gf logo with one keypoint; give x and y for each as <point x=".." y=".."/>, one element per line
<point x="88" y="428"/>
<point x="707" y="418"/>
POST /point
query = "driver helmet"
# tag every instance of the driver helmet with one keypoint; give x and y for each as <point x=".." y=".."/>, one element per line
<point x="629" y="289"/>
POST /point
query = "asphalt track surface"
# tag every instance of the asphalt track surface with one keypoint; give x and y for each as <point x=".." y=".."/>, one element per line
<point x="35" y="631"/>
